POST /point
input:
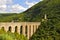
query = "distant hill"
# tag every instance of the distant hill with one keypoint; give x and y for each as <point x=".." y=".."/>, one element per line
<point x="9" y="17"/>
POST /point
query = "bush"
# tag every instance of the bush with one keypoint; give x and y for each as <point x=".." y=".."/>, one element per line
<point x="11" y="36"/>
<point x="5" y="37"/>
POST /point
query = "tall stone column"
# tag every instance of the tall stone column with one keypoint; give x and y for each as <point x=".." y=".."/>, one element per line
<point x="18" y="29"/>
<point x="31" y="30"/>
<point x="12" y="29"/>
<point x="6" y="28"/>
<point x="28" y="31"/>
<point x="23" y="30"/>
<point x="0" y="25"/>
<point x="35" y="28"/>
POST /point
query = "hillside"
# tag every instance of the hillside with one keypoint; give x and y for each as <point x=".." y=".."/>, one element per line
<point x="49" y="7"/>
<point x="49" y="29"/>
<point x="9" y="17"/>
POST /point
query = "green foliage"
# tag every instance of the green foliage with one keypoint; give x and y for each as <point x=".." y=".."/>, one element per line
<point x="5" y="37"/>
<point x="11" y="17"/>
<point x="46" y="31"/>
<point x="49" y="30"/>
<point x="11" y="36"/>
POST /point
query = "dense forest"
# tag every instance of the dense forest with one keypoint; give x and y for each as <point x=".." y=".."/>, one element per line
<point x="49" y="29"/>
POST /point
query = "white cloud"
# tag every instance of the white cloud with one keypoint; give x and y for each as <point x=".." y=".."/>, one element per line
<point x="3" y="5"/>
<point x="17" y="8"/>
<point x="4" y="2"/>
<point x="13" y="8"/>
<point x="41" y="0"/>
<point x="30" y="4"/>
<point x="3" y="8"/>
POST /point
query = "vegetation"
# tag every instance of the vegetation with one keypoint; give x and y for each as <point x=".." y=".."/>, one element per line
<point x="46" y="31"/>
<point x="49" y="30"/>
<point x="11" y="17"/>
<point x="11" y="36"/>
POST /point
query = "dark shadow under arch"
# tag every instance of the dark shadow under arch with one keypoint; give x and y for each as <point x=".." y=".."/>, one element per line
<point x="33" y="29"/>
<point x="26" y="30"/>
<point x="9" y="29"/>
<point x="21" y="29"/>
<point x="16" y="28"/>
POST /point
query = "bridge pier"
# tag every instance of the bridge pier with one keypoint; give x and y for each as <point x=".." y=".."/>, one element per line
<point x="5" y="28"/>
<point x="28" y="31"/>
<point x="18" y="29"/>
<point x="34" y="28"/>
<point x="12" y="29"/>
<point x="31" y="30"/>
<point x="23" y="30"/>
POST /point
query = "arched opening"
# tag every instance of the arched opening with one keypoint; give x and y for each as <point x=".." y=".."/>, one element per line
<point x="16" y="28"/>
<point x="36" y="27"/>
<point x="26" y="30"/>
<point x="33" y="29"/>
<point x="21" y="29"/>
<point x="2" y="29"/>
<point x="9" y="30"/>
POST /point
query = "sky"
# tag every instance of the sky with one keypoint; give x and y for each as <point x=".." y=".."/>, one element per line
<point x="16" y="6"/>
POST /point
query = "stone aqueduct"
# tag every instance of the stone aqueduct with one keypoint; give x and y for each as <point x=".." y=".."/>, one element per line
<point x="26" y="28"/>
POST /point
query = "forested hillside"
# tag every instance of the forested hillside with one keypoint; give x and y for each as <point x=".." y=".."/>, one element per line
<point x="49" y="29"/>
<point x="9" y="17"/>
<point x="49" y="7"/>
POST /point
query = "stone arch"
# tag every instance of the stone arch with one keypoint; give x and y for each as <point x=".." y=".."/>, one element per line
<point x="21" y="29"/>
<point x="9" y="29"/>
<point x="16" y="28"/>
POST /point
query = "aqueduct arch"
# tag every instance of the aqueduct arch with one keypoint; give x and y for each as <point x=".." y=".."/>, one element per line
<point x="26" y="28"/>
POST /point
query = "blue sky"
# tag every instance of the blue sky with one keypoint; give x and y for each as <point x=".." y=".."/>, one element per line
<point x="16" y="6"/>
<point x="22" y="2"/>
